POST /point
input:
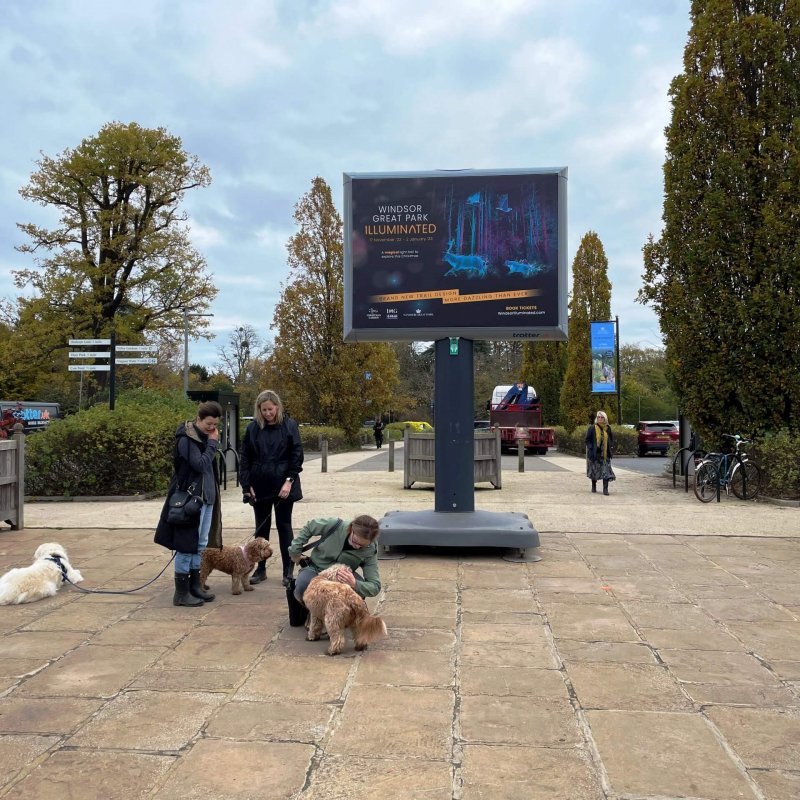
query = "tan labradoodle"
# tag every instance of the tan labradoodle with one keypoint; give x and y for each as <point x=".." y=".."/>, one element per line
<point x="238" y="562"/>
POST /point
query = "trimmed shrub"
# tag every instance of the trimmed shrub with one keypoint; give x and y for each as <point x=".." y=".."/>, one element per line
<point x="310" y="435"/>
<point x="778" y="455"/>
<point x="625" y="440"/>
<point x="99" y="452"/>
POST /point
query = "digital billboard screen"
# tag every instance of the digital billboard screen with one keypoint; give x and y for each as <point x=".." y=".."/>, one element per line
<point x="473" y="253"/>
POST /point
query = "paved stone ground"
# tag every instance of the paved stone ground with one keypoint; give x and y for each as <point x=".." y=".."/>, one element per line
<point x="628" y="663"/>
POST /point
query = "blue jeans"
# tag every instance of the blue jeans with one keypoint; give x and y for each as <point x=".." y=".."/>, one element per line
<point x="188" y="561"/>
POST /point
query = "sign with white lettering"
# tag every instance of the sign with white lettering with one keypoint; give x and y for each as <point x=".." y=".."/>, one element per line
<point x="135" y="360"/>
<point x="90" y="354"/>
<point x="88" y="341"/>
<point x="136" y="348"/>
<point x="89" y="367"/>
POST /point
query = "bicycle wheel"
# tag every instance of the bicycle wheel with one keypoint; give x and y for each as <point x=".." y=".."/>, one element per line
<point x="705" y="482"/>
<point x="746" y="489"/>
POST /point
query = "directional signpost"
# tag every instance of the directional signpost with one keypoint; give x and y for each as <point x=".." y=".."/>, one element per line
<point x="111" y="357"/>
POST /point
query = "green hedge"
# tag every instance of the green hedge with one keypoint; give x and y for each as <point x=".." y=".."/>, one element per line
<point x="310" y="436"/>
<point x="778" y="455"/>
<point x="625" y="441"/>
<point x="99" y="452"/>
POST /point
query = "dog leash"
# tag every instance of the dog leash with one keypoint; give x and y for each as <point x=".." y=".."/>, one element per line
<point x="57" y="560"/>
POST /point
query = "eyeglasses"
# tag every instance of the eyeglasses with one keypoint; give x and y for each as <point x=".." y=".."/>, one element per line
<point x="356" y="539"/>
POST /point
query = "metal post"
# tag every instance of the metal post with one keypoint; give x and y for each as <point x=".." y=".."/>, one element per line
<point x="521" y="455"/>
<point x="454" y="468"/>
<point x="185" y="350"/>
<point x="324" y="457"/>
<point x="112" y="371"/>
<point x="391" y="455"/>
<point x="619" y="376"/>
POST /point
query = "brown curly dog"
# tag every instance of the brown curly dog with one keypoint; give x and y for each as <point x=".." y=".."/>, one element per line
<point x="339" y="608"/>
<point x="238" y="562"/>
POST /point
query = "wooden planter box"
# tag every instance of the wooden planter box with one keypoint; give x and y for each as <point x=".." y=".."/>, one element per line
<point x="419" y="458"/>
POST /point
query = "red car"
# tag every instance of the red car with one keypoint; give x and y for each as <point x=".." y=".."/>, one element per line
<point x="656" y="436"/>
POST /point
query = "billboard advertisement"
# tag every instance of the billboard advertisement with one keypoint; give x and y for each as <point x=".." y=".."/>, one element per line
<point x="603" y="341"/>
<point x="473" y="253"/>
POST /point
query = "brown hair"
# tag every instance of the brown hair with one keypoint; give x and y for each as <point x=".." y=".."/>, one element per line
<point x="273" y="398"/>
<point x="210" y="408"/>
<point x="366" y="527"/>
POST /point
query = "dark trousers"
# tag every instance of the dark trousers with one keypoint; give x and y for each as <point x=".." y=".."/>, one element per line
<point x="304" y="577"/>
<point x="283" y="522"/>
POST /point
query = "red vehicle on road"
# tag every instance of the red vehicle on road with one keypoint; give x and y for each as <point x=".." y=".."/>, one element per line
<point x="520" y="421"/>
<point x="657" y="436"/>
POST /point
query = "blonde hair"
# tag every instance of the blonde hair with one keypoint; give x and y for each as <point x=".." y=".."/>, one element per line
<point x="602" y="415"/>
<point x="273" y="398"/>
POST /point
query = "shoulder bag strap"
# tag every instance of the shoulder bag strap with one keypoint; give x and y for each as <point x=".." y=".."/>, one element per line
<point x="323" y="536"/>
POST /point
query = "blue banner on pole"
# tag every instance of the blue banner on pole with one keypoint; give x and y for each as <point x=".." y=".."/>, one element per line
<point x="604" y="357"/>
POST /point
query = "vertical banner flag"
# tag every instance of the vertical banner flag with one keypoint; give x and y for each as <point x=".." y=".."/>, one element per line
<point x="604" y="358"/>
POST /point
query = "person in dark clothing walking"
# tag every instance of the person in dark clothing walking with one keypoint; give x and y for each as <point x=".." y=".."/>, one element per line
<point x="270" y="463"/>
<point x="599" y="451"/>
<point x="377" y="429"/>
<point x="194" y="462"/>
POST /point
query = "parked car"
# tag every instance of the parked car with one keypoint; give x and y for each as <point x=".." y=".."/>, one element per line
<point x="481" y="424"/>
<point x="656" y="436"/>
<point x="419" y="427"/>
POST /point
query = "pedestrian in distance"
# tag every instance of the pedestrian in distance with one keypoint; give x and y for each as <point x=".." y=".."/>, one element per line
<point x="599" y="452"/>
<point x="194" y="465"/>
<point x="270" y="463"/>
<point x="377" y="430"/>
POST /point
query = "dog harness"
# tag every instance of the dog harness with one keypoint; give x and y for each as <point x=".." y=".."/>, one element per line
<point x="56" y="559"/>
<point x="247" y="563"/>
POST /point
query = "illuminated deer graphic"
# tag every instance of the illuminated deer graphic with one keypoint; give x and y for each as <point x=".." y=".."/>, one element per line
<point x="472" y="266"/>
<point x="524" y="268"/>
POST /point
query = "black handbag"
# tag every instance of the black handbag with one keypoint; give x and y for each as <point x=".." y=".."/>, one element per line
<point x="298" y="613"/>
<point x="184" y="506"/>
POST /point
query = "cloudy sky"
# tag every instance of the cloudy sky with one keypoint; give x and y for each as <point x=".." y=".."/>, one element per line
<point x="271" y="93"/>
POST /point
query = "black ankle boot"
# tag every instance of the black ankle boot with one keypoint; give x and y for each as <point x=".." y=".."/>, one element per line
<point x="196" y="587"/>
<point x="594" y="486"/>
<point x="260" y="574"/>
<point x="288" y="575"/>
<point x="605" y="487"/>
<point x="183" y="597"/>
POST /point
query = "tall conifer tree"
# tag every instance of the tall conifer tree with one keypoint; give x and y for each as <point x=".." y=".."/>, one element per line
<point x="724" y="275"/>
<point x="590" y="301"/>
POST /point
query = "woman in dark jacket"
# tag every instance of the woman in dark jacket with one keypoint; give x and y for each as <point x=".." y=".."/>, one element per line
<point x="599" y="451"/>
<point x="194" y="462"/>
<point x="270" y="463"/>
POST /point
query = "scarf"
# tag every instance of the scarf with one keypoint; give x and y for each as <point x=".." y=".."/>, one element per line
<point x="601" y="437"/>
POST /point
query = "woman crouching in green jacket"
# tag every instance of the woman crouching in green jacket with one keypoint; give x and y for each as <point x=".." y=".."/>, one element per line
<point x="350" y="543"/>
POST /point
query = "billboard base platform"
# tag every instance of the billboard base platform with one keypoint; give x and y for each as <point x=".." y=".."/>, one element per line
<point x="507" y="530"/>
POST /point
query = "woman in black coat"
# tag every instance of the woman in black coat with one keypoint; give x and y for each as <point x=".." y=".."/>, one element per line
<point x="195" y="464"/>
<point x="270" y="463"/>
<point x="599" y="451"/>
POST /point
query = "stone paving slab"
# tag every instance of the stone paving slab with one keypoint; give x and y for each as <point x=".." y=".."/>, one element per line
<point x="641" y="658"/>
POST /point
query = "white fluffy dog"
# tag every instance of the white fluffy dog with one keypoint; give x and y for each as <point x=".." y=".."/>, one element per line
<point x="41" y="579"/>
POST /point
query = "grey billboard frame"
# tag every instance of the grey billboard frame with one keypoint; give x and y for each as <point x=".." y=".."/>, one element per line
<point x="556" y="332"/>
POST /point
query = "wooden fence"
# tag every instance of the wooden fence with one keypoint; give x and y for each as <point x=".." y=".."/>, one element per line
<point x="419" y="458"/>
<point x="12" y="479"/>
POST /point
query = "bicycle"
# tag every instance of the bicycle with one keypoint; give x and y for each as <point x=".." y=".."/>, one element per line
<point x="731" y="471"/>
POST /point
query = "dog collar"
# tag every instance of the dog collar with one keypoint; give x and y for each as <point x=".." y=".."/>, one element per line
<point x="247" y="563"/>
<point x="57" y="561"/>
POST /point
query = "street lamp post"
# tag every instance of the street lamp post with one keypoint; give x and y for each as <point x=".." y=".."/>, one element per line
<point x="186" y="316"/>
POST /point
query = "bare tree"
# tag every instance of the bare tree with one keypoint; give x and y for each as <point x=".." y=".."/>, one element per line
<point x="238" y="357"/>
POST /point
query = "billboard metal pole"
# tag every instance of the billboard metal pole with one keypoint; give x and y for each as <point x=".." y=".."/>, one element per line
<point x="453" y="393"/>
